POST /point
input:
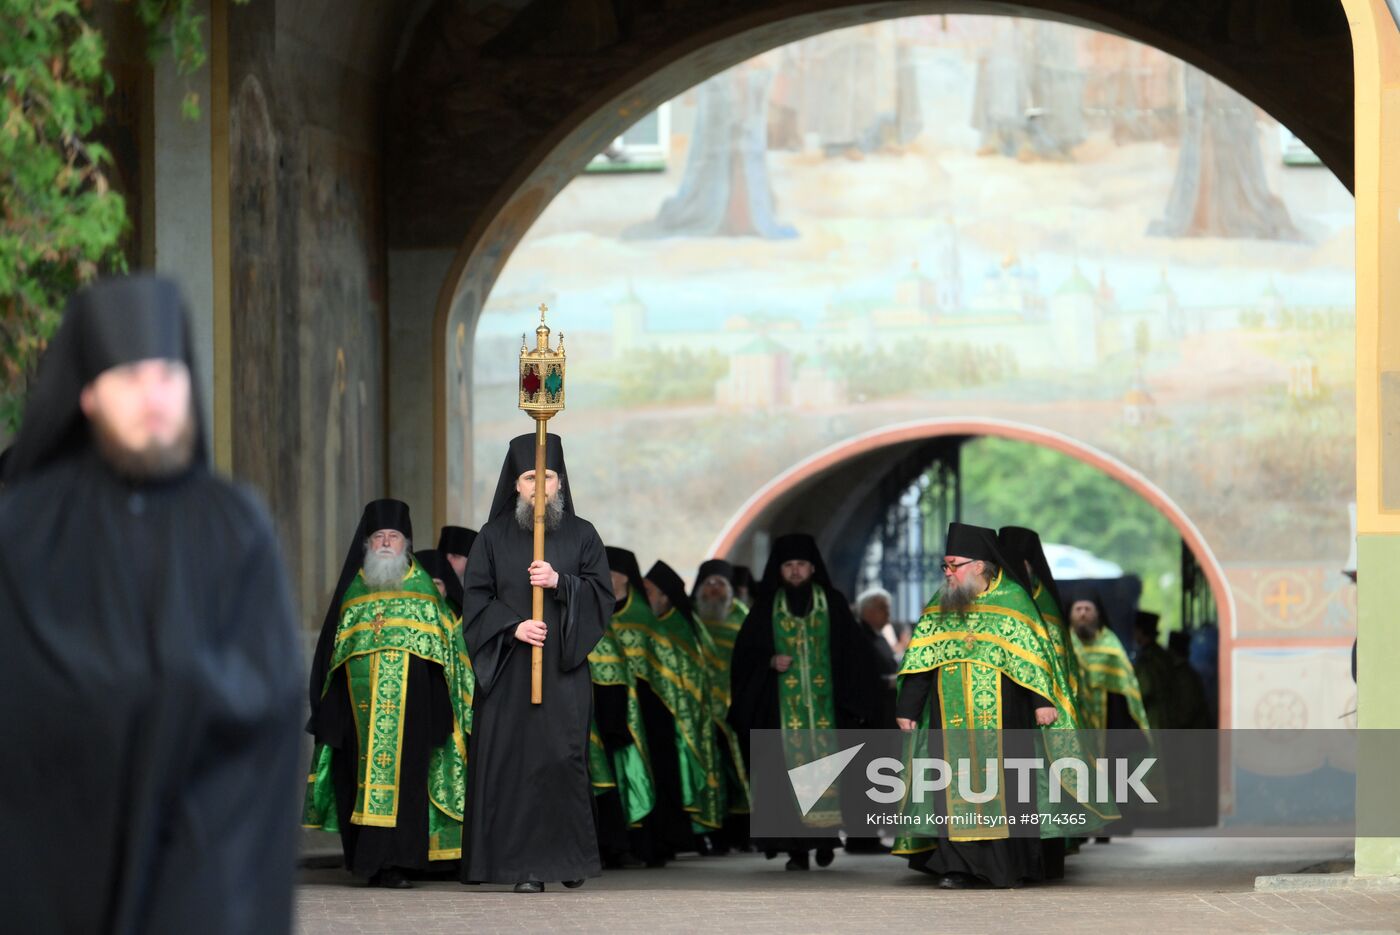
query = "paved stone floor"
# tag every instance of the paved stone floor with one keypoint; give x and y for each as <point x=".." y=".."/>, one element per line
<point x="1131" y="885"/>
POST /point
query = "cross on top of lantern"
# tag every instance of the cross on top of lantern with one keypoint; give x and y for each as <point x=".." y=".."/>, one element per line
<point x="542" y="373"/>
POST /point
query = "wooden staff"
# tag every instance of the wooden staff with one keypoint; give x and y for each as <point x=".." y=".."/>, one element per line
<point x="537" y="595"/>
<point x="541" y="396"/>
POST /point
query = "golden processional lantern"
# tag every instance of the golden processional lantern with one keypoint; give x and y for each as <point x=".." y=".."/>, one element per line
<point x="541" y="396"/>
<point x="542" y="373"/>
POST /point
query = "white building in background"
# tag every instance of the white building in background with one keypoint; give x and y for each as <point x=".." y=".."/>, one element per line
<point x="1069" y="563"/>
<point x="916" y="296"/>
<point x="1074" y="322"/>
<point x="1162" y="304"/>
<point x="946" y="268"/>
<point x="1293" y="151"/>
<point x="629" y="322"/>
<point x="758" y="378"/>
<point x="818" y="387"/>
<point x="1111" y="338"/>
<point x="1271" y="304"/>
<point x="1008" y="288"/>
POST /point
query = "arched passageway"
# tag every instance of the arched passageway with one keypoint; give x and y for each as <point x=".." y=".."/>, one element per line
<point x="950" y="264"/>
<point x="841" y="495"/>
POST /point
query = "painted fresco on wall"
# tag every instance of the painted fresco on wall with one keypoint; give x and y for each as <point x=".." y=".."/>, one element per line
<point x="306" y="332"/>
<point x="955" y="217"/>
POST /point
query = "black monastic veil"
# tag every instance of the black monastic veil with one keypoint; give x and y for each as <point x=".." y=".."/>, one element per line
<point x="152" y="706"/>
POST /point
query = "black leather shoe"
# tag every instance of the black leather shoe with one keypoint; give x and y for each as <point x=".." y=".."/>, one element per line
<point x="530" y="886"/>
<point x="797" y="860"/>
<point x="825" y="856"/>
<point x="390" y="880"/>
<point x="573" y="884"/>
<point x="957" y="881"/>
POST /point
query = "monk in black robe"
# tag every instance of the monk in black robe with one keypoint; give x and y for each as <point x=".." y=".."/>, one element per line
<point x="455" y="544"/>
<point x="444" y="576"/>
<point x="669" y="599"/>
<point x="622" y="843"/>
<point x="1190" y="693"/>
<point x="872" y="612"/>
<point x="618" y="842"/>
<point x="743" y="585"/>
<point x="1022" y="548"/>
<point x="152" y="703"/>
<point x="797" y="577"/>
<point x="529" y="815"/>
<point x="666" y="831"/>
<point x="1156" y="673"/>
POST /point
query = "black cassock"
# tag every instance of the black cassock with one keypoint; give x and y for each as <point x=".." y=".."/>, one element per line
<point x="529" y="802"/>
<point x="152" y="696"/>
<point x="668" y="830"/>
<point x="151" y="693"/>
<point x="610" y="714"/>
<point x="1009" y="862"/>
<point x="427" y="724"/>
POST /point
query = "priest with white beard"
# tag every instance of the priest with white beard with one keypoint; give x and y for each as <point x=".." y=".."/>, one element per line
<point x="391" y="705"/>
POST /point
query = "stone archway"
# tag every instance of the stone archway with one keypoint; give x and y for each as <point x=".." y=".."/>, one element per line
<point x="881" y="449"/>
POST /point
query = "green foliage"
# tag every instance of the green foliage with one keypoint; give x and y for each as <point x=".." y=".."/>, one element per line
<point x="61" y="224"/>
<point x="173" y="29"/>
<point x="873" y="374"/>
<point x="671" y="377"/>
<point x="1011" y="483"/>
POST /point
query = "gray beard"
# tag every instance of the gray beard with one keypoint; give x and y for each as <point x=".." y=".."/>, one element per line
<point x="383" y="572"/>
<point x="553" y="513"/>
<point x="959" y="597"/>
<point x="152" y="463"/>
<point x="715" y="608"/>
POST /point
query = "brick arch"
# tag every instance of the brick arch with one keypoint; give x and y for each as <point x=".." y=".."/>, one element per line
<point x="791" y="483"/>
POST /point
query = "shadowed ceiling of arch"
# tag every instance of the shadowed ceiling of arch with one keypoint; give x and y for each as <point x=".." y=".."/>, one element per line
<point x="362" y="34"/>
<point x="485" y="92"/>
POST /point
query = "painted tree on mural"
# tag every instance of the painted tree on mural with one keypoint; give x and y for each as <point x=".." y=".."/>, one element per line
<point x="1029" y="98"/>
<point x="1134" y="90"/>
<point x="62" y="223"/>
<point x="1221" y="189"/>
<point x="725" y="190"/>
